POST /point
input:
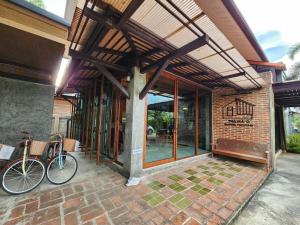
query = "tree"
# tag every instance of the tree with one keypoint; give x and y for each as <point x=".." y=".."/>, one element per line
<point x="294" y="72"/>
<point x="294" y="50"/>
<point x="38" y="3"/>
<point x="295" y="69"/>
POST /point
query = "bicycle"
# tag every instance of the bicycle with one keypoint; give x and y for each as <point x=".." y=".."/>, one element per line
<point x="62" y="166"/>
<point x="23" y="174"/>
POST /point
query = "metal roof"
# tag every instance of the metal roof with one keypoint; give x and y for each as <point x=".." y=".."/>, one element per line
<point x="287" y="94"/>
<point x="116" y="34"/>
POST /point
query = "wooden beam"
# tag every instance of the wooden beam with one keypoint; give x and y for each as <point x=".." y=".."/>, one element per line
<point x="78" y="55"/>
<point x="153" y="79"/>
<point x="100" y="100"/>
<point x="130" y="10"/>
<point x="105" y="72"/>
<point x="191" y="81"/>
<point x="19" y="70"/>
<point x="224" y="77"/>
<point x="93" y="118"/>
<point x="130" y="42"/>
<point x="100" y="17"/>
<point x="196" y="74"/>
<point x="151" y="52"/>
<point x="88" y="68"/>
<point x="175" y="65"/>
<point x="109" y="51"/>
<point x="178" y="52"/>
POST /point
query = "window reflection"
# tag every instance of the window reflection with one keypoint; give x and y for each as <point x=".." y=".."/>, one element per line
<point x="160" y="121"/>
<point x="204" y="123"/>
<point x="186" y="121"/>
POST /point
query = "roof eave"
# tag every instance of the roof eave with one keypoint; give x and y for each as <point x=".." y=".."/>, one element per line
<point x="240" y="20"/>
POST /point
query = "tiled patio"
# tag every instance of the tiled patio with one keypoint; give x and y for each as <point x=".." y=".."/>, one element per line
<point x="206" y="192"/>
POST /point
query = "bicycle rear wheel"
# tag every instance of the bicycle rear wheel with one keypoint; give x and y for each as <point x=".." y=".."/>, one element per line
<point x="15" y="182"/>
<point x="61" y="172"/>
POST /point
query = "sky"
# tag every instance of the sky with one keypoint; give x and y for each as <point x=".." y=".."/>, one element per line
<point x="275" y="24"/>
<point x="56" y="6"/>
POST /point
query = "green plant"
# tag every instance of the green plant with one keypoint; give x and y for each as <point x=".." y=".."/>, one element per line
<point x="294" y="143"/>
<point x="38" y="3"/>
<point x="294" y="72"/>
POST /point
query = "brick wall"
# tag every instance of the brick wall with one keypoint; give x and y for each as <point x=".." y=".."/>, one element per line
<point x="257" y="129"/>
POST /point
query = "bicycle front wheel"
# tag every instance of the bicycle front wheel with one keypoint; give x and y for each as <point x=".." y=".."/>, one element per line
<point x="15" y="182"/>
<point x="61" y="169"/>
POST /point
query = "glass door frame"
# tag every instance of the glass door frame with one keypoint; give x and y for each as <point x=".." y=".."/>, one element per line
<point x="176" y="80"/>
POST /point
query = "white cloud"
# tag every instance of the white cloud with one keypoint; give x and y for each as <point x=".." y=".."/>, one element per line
<point x="57" y="7"/>
<point x="269" y="15"/>
<point x="265" y="15"/>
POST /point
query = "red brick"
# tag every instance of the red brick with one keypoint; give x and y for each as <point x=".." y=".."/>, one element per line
<point x="180" y="218"/>
<point x="225" y="213"/>
<point x="192" y="222"/>
<point x="102" y="220"/>
<point x="91" y="215"/>
<point x="51" y="203"/>
<point x="71" y="219"/>
<point x="31" y="207"/>
<point x="232" y="205"/>
<point x="17" y="212"/>
<point x="67" y="191"/>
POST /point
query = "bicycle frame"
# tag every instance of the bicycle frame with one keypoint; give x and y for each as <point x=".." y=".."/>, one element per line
<point x="25" y="157"/>
<point x="59" y="151"/>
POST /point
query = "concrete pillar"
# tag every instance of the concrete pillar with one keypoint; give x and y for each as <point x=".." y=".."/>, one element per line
<point x="134" y="131"/>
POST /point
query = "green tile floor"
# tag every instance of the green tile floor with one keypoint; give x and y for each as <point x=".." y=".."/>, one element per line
<point x="191" y="179"/>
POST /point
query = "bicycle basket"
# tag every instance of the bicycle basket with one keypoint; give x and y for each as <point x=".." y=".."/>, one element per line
<point x="37" y="147"/>
<point x="69" y="144"/>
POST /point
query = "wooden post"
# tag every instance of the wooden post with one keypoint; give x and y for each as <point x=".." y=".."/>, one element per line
<point x="84" y="119"/>
<point x="93" y="119"/>
<point x="196" y="123"/>
<point x="175" y="127"/>
<point x="117" y="124"/>
<point x="100" y="120"/>
<point x="72" y="119"/>
<point x="88" y="122"/>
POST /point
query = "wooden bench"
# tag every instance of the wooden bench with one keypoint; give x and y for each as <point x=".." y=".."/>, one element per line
<point x="242" y="150"/>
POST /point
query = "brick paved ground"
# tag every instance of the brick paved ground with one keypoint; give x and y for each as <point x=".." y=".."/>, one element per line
<point x="206" y="192"/>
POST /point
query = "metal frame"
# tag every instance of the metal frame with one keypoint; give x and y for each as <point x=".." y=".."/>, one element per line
<point x="110" y="18"/>
<point x="176" y="80"/>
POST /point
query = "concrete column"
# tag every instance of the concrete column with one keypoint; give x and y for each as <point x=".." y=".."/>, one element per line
<point x="134" y="131"/>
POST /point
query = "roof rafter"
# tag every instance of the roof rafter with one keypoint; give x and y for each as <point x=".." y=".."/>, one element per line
<point x="178" y="52"/>
<point x="153" y="79"/>
<point x="78" y="55"/>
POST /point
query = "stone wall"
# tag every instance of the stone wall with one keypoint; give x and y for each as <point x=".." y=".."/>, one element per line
<point x="257" y="129"/>
<point x="24" y="106"/>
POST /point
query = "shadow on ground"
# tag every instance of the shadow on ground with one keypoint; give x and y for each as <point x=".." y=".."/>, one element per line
<point x="278" y="201"/>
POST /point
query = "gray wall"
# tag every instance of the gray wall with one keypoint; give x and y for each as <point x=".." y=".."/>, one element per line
<point x="25" y="106"/>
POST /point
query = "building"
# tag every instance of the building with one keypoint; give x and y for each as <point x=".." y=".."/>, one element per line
<point x="157" y="83"/>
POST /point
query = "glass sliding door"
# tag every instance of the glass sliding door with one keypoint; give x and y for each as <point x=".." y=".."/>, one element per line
<point x="160" y="121"/>
<point x="186" y="121"/>
<point x="178" y="121"/>
<point x="204" y="118"/>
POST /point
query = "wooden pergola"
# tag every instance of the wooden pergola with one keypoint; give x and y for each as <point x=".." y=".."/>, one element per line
<point x="107" y="41"/>
<point x="287" y="94"/>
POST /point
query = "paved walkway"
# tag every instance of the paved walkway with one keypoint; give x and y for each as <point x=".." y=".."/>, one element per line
<point x="278" y="201"/>
<point x="206" y="192"/>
